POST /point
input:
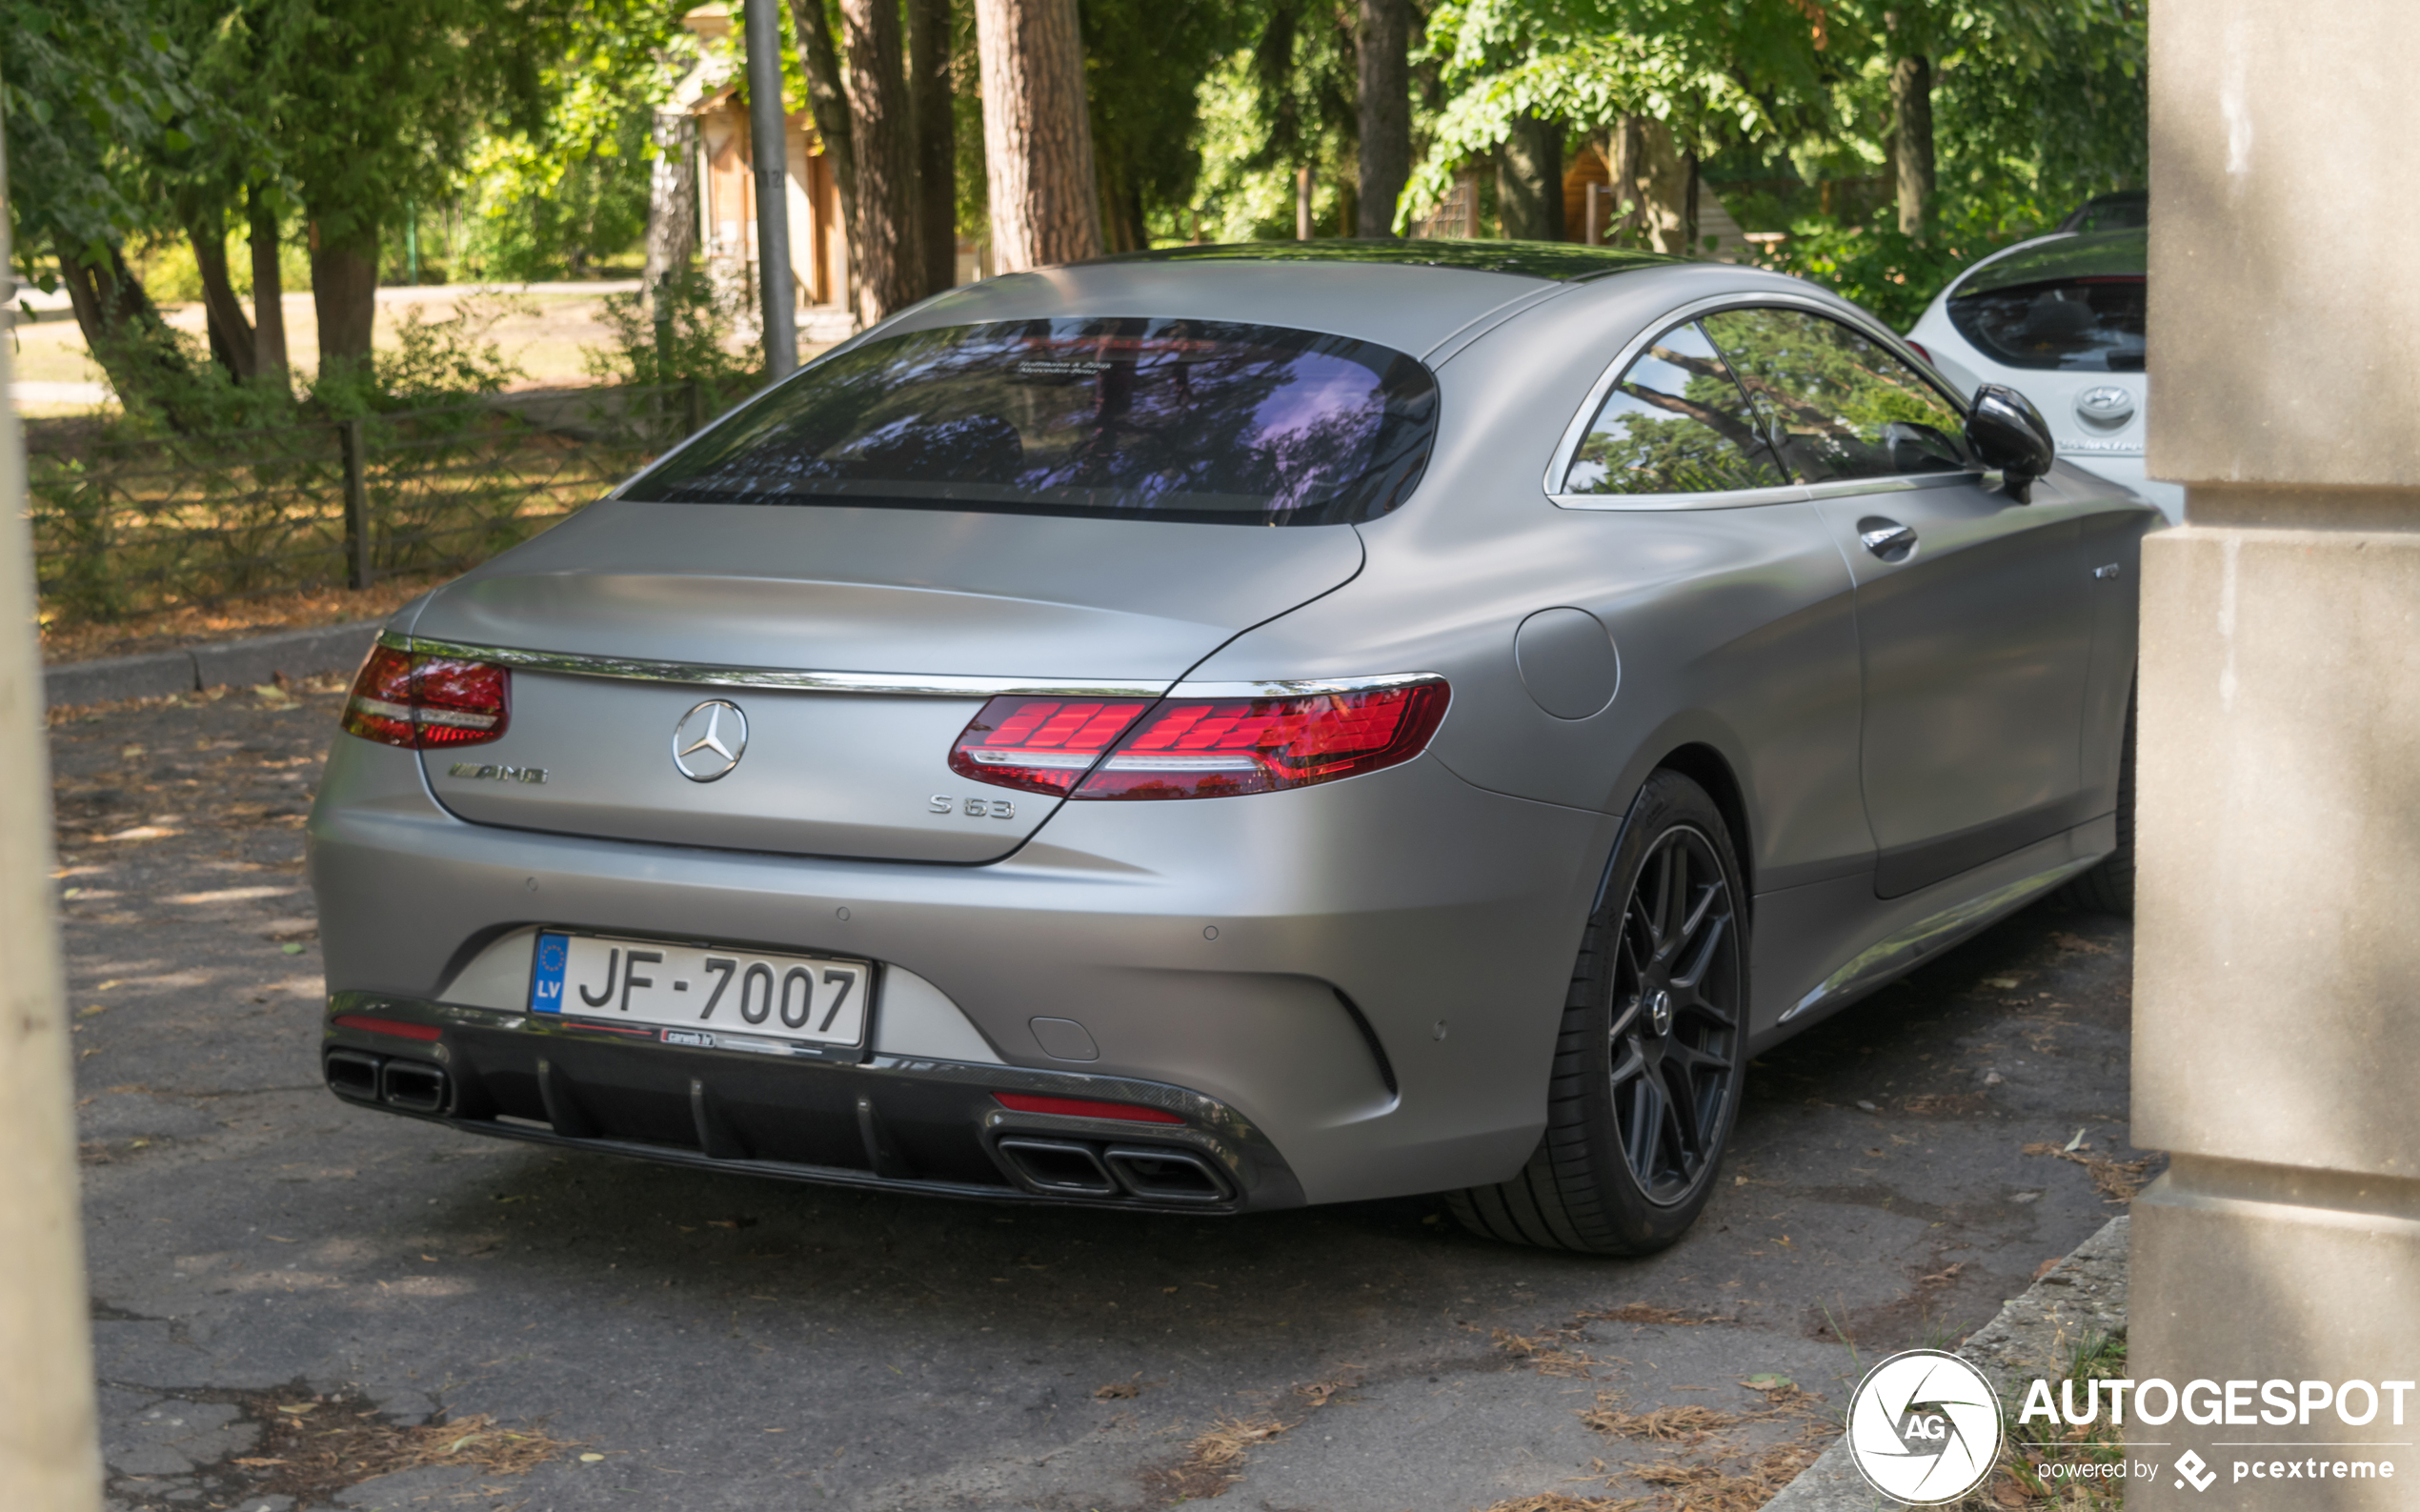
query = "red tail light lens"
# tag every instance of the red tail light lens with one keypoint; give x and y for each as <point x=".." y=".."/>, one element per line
<point x="1207" y="749"/>
<point x="1085" y="1108"/>
<point x="1043" y="745"/>
<point x="1918" y="347"/>
<point x="426" y="702"/>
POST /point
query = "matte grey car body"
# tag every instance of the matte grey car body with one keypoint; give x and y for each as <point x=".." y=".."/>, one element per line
<point x="1345" y="991"/>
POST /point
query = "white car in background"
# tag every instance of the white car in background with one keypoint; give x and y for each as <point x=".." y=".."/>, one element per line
<point x="2060" y="319"/>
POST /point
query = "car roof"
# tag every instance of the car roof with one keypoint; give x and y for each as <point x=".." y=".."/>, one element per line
<point x="1413" y="296"/>
<point x="1560" y="262"/>
<point x="2093" y="255"/>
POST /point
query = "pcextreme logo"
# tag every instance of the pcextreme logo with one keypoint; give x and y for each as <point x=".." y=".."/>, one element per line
<point x="1924" y="1428"/>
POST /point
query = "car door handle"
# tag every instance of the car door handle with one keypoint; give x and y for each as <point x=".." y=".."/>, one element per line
<point x="1887" y="539"/>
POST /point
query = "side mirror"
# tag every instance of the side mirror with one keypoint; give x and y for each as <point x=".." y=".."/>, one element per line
<point x="2008" y="435"/>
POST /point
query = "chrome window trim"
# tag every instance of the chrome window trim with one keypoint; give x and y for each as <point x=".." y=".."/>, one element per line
<point x="1303" y="688"/>
<point x="1558" y="465"/>
<point x="893" y="684"/>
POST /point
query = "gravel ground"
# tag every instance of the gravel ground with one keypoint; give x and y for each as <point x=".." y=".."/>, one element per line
<point x="297" y="1302"/>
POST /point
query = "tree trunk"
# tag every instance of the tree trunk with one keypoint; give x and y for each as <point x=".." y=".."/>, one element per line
<point x="269" y="296"/>
<point x="1121" y="223"/>
<point x="232" y="341"/>
<point x="829" y="103"/>
<point x="1303" y="184"/>
<point x="118" y="321"/>
<point x="1385" y="43"/>
<point x="889" y="254"/>
<point x="1653" y="177"/>
<point x="1911" y="141"/>
<point x="671" y="195"/>
<point x="1037" y="133"/>
<point x="929" y="102"/>
<point x="344" y="292"/>
<point x="1529" y="180"/>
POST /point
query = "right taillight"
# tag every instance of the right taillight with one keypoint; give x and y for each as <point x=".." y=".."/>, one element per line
<point x="427" y="702"/>
<point x="1208" y="748"/>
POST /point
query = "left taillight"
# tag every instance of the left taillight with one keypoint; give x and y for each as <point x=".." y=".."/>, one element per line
<point x="427" y="702"/>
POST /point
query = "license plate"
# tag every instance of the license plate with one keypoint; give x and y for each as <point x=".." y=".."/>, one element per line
<point x="697" y="994"/>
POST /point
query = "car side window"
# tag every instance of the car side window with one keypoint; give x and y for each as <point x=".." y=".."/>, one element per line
<point x="1675" y="422"/>
<point x="1837" y="405"/>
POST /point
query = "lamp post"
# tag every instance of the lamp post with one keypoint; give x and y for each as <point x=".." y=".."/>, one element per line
<point x="768" y="132"/>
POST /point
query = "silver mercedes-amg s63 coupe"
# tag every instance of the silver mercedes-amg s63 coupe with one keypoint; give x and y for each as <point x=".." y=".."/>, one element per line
<point x="1235" y="727"/>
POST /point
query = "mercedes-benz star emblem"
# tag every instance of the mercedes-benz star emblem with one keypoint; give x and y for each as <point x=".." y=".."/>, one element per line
<point x="1660" y="1011"/>
<point x="710" y="740"/>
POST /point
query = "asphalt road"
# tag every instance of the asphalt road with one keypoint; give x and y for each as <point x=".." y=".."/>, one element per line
<point x="285" y="1287"/>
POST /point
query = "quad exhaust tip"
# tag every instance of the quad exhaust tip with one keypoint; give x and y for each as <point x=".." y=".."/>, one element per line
<point x="412" y="1085"/>
<point x="1153" y="1173"/>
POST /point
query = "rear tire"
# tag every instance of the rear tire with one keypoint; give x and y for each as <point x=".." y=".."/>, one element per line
<point x="1647" y="1068"/>
<point x="2109" y="887"/>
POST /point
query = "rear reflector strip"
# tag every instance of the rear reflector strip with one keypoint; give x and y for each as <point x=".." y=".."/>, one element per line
<point x="390" y="1026"/>
<point x="1082" y="1108"/>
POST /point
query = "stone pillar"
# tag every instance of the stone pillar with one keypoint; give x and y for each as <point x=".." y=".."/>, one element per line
<point x="49" y="1448"/>
<point x="2277" y="967"/>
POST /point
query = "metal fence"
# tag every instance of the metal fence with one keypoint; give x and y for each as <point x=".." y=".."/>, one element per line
<point x="122" y="527"/>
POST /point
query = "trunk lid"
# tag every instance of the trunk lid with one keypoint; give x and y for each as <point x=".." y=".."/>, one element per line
<point x="854" y="644"/>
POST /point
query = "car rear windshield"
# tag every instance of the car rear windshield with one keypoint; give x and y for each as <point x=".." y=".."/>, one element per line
<point x="2074" y="302"/>
<point x="1190" y="420"/>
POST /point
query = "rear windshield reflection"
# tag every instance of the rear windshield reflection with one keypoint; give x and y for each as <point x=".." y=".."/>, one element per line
<point x="1170" y="419"/>
<point x="2093" y="325"/>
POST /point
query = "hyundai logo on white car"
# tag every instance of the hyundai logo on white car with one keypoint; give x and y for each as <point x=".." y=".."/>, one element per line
<point x="2109" y="404"/>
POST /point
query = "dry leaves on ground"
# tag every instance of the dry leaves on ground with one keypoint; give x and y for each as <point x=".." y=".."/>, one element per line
<point x="2116" y="1180"/>
<point x="1682" y="1425"/>
<point x="1320" y="1393"/>
<point x="1710" y="1485"/>
<point x="197" y="624"/>
<point x="1641" y="1313"/>
<point x="1212" y="1461"/>
<point x="1547" y="1353"/>
<point x="1943" y="1103"/>
<point x="312" y="1449"/>
<point x="1556" y="1501"/>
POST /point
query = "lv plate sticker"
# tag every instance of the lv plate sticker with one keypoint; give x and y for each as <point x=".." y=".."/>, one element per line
<point x="546" y="975"/>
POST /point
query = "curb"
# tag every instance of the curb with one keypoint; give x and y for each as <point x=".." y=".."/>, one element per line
<point x="2029" y="1335"/>
<point x="316" y="651"/>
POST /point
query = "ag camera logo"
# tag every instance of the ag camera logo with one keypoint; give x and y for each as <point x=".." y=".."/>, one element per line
<point x="1924" y="1428"/>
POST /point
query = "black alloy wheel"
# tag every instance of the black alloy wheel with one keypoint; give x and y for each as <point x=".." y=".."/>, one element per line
<point x="1648" y="1065"/>
<point x="1676" y="1023"/>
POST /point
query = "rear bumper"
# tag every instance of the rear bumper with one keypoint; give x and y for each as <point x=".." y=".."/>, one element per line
<point x="892" y="1122"/>
<point x="1369" y="973"/>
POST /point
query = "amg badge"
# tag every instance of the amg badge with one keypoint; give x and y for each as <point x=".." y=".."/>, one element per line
<point x="497" y="774"/>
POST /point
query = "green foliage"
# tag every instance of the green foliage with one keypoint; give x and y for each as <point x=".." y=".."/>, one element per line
<point x="1892" y="275"/>
<point x="685" y="333"/>
<point x="1276" y="96"/>
<point x="570" y="186"/>
<point x="85" y="89"/>
<point x="1141" y="64"/>
<point x="2037" y="103"/>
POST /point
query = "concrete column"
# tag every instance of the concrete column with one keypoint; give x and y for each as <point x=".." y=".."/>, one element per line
<point x="2277" y="967"/>
<point x="50" y="1449"/>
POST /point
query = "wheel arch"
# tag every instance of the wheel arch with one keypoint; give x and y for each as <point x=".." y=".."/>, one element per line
<point x="1710" y="769"/>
